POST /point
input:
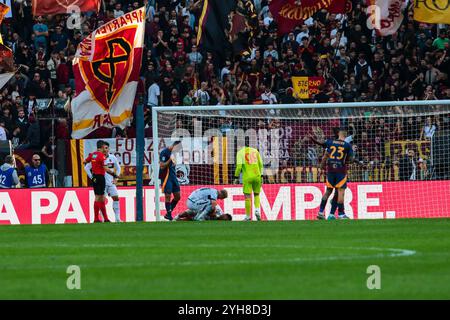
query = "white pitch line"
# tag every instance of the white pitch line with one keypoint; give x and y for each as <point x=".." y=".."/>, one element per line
<point x="391" y="253"/>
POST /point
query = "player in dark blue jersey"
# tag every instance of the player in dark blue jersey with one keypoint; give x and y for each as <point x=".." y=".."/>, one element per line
<point x="338" y="154"/>
<point x="323" y="143"/>
<point x="168" y="176"/>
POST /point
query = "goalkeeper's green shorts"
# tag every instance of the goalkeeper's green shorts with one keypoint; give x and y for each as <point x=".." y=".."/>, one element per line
<point x="252" y="184"/>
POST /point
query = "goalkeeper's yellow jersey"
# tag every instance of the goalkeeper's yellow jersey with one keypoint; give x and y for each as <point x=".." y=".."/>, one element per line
<point x="248" y="160"/>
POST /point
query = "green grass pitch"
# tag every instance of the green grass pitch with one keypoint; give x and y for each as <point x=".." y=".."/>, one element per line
<point x="223" y="260"/>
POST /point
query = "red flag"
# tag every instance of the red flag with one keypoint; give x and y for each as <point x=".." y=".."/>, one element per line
<point x="50" y="7"/>
<point x="290" y="13"/>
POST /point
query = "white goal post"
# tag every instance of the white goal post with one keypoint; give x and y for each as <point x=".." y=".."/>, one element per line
<point x="393" y="114"/>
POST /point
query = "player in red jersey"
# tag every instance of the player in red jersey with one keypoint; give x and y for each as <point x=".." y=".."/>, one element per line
<point x="99" y="169"/>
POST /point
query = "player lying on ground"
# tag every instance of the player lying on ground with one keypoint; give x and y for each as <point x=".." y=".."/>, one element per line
<point x="112" y="163"/>
<point x="248" y="160"/>
<point x="99" y="169"/>
<point x="168" y="176"/>
<point x="338" y="154"/>
<point x="218" y="214"/>
<point x="202" y="204"/>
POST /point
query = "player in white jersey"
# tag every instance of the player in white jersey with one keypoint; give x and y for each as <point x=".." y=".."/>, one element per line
<point x="111" y="189"/>
<point x="203" y="203"/>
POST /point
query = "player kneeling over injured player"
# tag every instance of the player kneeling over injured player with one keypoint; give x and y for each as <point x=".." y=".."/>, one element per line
<point x="202" y="205"/>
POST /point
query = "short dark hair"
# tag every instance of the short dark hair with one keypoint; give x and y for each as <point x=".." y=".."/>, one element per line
<point x="100" y="143"/>
<point x="247" y="141"/>
<point x="9" y="159"/>
<point x="176" y="143"/>
<point x="225" y="216"/>
<point x="336" y="131"/>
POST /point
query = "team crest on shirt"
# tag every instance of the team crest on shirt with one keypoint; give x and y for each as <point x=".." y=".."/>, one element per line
<point x="183" y="171"/>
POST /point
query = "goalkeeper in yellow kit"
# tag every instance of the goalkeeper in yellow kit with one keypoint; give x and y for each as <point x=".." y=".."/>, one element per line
<point x="249" y="161"/>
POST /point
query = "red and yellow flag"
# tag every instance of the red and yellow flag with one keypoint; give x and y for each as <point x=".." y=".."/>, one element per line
<point x="106" y="69"/>
<point x="432" y="11"/>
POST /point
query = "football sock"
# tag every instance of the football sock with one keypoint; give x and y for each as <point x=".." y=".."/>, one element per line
<point x="334" y="206"/>
<point x="341" y="209"/>
<point x="322" y="206"/>
<point x="96" y="211"/>
<point x="173" y="204"/>
<point x="248" y="206"/>
<point x="257" y="201"/>
<point x="116" y="208"/>
<point x="103" y="211"/>
<point x="169" y="207"/>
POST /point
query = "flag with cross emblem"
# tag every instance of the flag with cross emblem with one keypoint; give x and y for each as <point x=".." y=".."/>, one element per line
<point x="106" y="69"/>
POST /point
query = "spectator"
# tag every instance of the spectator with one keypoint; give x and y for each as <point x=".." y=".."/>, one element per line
<point x="408" y="166"/>
<point x="188" y="100"/>
<point x="36" y="175"/>
<point x="8" y="173"/>
<point x="201" y="96"/>
<point x="33" y="138"/>
<point x="442" y="42"/>
<point x="40" y="31"/>
<point x="49" y="150"/>
<point x="59" y="40"/>
<point x="3" y="133"/>
<point x="195" y="57"/>
<point x="16" y="138"/>
<point x="428" y="130"/>
<point x="118" y="10"/>
<point x="153" y="94"/>
<point x="268" y="97"/>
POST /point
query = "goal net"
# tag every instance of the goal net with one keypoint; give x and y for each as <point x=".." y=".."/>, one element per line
<point x="401" y="150"/>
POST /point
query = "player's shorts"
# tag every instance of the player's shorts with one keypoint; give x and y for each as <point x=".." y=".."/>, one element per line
<point x="111" y="190"/>
<point x="336" y="180"/>
<point x="201" y="209"/>
<point x="99" y="184"/>
<point x="170" y="184"/>
<point x="252" y="184"/>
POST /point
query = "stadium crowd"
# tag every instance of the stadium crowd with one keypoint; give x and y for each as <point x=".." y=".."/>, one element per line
<point x="357" y="65"/>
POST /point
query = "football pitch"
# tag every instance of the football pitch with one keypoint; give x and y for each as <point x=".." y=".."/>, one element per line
<point x="228" y="260"/>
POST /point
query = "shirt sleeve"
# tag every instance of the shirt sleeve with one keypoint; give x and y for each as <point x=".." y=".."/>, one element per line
<point x="214" y="194"/>
<point x="89" y="158"/>
<point x="350" y="151"/>
<point x="117" y="166"/>
<point x="239" y="163"/>
<point x="87" y="169"/>
<point x="15" y="177"/>
<point x="260" y="164"/>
